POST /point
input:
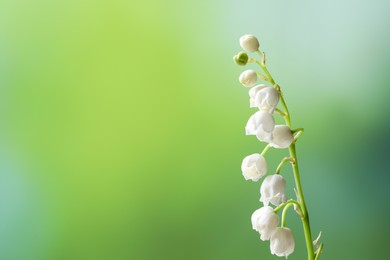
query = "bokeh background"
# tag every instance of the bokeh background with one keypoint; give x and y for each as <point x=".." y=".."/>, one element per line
<point x="122" y="127"/>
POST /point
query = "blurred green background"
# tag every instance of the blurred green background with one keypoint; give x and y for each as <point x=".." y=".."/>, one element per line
<point x="122" y="126"/>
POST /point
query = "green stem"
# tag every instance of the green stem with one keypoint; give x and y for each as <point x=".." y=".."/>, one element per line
<point x="270" y="79"/>
<point x="265" y="150"/>
<point x="300" y="132"/>
<point x="286" y="203"/>
<point x="284" y="160"/>
<point x="280" y="112"/>
<point x="264" y="67"/>
<point x="287" y="117"/>
<point x="301" y="199"/>
<point x="261" y="76"/>
<point x="297" y="130"/>
<point x="283" y="223"/>
<point x="292" y="150"/>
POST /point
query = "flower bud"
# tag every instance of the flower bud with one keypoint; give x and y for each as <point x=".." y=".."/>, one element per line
<point x="252" y="94"/>
<point x="254" y="167"/>
<point x="267" y="99"/>
<point x="249" y="43"/>
<point x="248" y="78"/>
<point x="282" y="137"/>
<point x="282" y="242"/>
<point x="272" y="190"/>
<point x="241" y="58"/>
<point x="265" y="221"/>
<point x="262" y="121"/>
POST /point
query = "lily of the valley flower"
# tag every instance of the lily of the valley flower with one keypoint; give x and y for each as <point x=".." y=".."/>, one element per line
<point x="252" y="94"/>
<point x="248" y="78"/>
<point x="282" y="137"/>
<point x="262" y="124"/>
<point x="272" y="190"/>
<point x="265" y="221"/>
<point x="254" y="167"/>
<point x="282" y="242"/>
<point x="267" y="99"/>
<point x="249" y="43"/>
<point x="261" y="120"/>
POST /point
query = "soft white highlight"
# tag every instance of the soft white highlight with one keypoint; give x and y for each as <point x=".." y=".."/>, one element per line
<point x="261" y="120"/>
<point x="282" y="137"/>
<point x="249" y="43"/>
<point x="267" y="99"/>
<point x="254" y="167"/>
<point x="282" y="242"/>
<point x="248" y="78"/>
<point x="272" y="190"/>
<point x="265" y="221"/>
<point x="252" y="94"/>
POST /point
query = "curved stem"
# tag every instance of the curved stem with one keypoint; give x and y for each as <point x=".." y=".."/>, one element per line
<point x="284" y="160"/>
<point x="280" y="112"/>
<point x="270" y="79"/>
<point x="300" y="132"/>
<point x="287" y="117"/>
<point x="264" y="67"/>
<point x="261" y="76"/>
<point x="283" y="223"/>
<point x="265" y="150"/>
<point x="297" y="130"/>
<point x="292" y="150"/>
<point x="286" y="203"/>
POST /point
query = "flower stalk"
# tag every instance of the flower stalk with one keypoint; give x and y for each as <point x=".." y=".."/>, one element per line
<point x="284" y="161"/>
<point x="297" y="178"/>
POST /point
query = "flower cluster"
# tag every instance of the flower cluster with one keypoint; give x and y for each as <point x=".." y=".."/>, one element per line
<point x="262" y="124"/>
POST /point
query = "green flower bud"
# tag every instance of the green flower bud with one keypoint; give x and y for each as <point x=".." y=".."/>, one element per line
<point x="241" y="58"/>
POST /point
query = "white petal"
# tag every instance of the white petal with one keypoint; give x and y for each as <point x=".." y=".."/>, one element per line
<point x="263" y="136"/>
<point x="251" y="127"/>
<point x="267" y="122"/>
<point x="265" y="221"/>
<point x="260" y="119"/>
<point x="254" y="167"/>
<point x="282" y="242"/>
<point x="267" y="99"/>
<point x="249" y="43"/>
<point x="272" y="190"/>
<point x="282" y="137"/>
<point x="248" y="78"/>
<point x="261" y="166"/>
<point x="252" y="94"/>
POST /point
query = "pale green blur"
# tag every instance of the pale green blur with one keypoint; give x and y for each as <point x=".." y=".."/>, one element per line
<point x="122" y="127"/>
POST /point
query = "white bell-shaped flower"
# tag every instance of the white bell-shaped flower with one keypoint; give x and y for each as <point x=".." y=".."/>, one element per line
<point x="261" y="120"/>
<point x="282" y="137"/>
<point x="282" y="242"/>
<point x="265" y="221"/>
<point x="254" y="167"/>
<point x="248" y="78"/>
<point x="252" y="94"/>
<point x="249" y="43"/>
<point x="267" y="99"/>
<point x="272" y="190"/>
